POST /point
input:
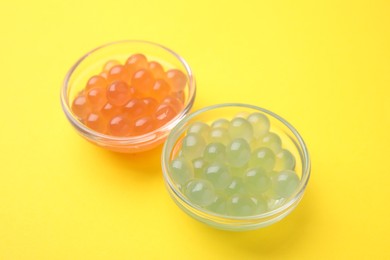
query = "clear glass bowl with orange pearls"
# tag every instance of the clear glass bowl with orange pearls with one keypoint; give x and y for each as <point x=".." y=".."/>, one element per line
<point x="126" y="96"/>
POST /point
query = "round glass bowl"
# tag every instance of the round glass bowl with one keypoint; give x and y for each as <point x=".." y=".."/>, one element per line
<point x="92" y="63"/>
<point x="276" y="207"/>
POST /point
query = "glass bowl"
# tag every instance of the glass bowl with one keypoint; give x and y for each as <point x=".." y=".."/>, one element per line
<point x="281" y="207"/>
<point x="92" y="63"/>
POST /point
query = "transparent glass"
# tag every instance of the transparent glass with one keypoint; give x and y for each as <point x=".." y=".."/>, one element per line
<point x="291" y="140"/>
<point x="92" y="63"/>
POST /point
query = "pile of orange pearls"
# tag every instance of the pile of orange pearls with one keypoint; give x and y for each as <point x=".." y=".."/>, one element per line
<point x="130" y="99"/>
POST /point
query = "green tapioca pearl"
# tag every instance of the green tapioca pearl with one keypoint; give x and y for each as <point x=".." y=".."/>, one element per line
<point x="272" y="141"/>
<point x="193" y="146"/>
<point x="260" y="124"/>
<point x="236" y="186"/>
<point x="241" y="205"/>
<point x="284" y="161"/>
<point x="218" y="206"/>
<point x="238" y="152"/>
<point x="219" y="135"/>
<point x="240" y="128"/>
<point x="262" y="205"/>
<point x="223" y="123"/>
<point x="199" y="164"/>
<point x="270" y="193"/>
<point x="263" y="157"/>
<point x="200" y="192"/>
<point x="214" y="152"/>
<point x="199" y="128"/>
<point x="257" y="181"/>
<point x="275" y="202"/>
<point x="218" y="174"/>
<point x="181" y="171"/>
<point x="285" y="183"/>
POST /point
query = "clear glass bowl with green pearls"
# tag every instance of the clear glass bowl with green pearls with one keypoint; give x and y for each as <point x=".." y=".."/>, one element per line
<point x="235" y="166"/>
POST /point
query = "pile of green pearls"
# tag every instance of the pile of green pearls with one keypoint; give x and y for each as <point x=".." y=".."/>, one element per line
<point x="234" y="167"/>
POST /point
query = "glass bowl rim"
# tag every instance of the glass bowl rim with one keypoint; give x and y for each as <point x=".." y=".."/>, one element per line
<point x="128" y="139"/>
<point x="296" y="196"/>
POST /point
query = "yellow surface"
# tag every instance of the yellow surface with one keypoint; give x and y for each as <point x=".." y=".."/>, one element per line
<point x="322" y="65"/>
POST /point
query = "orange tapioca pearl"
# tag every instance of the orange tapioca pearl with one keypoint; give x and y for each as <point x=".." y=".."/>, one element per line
<point x="156" y="69"/>
<point x="174" y="102"/>
<point x="160" y="89"/>
<point x="96" y="98"/>
<point x="96" y="82"/>
<point x="104" y="75"/>
<point x="164" y="113"/>
<point x="180" y="96"/>
<point x="151" y="105"/>
<point x="134" y="108"/>
<point x="118" y="93"/>
<point x="176" y="79"/>
<point x="119" y="72"/>
<point x="143" y="81"/>
<point x="109" y="65"/>
<point x="96" y="122"/>
<point x="109" y="111"/>
<point x="120" y="126"/>
<point x="115" y="73"/>
<point x="80" y="106"/>
<point x="143" y="125"/>
<point x="137" y="61"/>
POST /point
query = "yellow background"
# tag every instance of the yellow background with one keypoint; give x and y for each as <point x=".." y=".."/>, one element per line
<point x="322" y="65"/>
